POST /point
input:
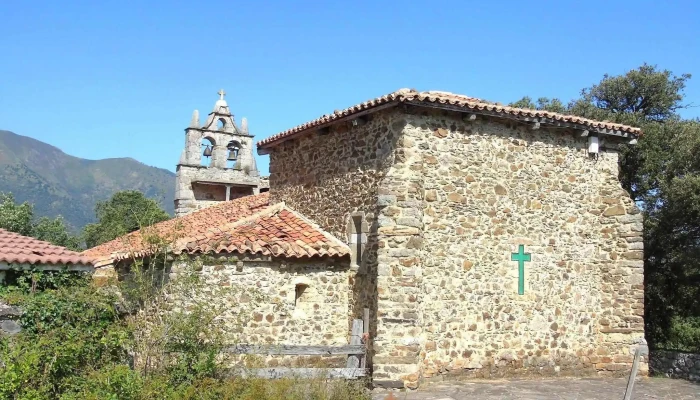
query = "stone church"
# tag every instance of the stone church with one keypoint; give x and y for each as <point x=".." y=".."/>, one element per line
<point x="487" y="241"/>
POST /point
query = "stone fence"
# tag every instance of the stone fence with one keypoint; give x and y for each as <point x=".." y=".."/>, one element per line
<point x="8" y="319"/>
<point x="675" y="364"/>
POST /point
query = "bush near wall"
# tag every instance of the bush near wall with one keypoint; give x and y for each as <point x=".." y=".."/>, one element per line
<point x="78" y="341"/>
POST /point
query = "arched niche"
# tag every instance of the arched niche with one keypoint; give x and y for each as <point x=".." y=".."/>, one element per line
<point x="207" y="149"/>
<point x="234" y="150"/>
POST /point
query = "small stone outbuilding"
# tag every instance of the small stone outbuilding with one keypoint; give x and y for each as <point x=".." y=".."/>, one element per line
<point x="302" y="272"/>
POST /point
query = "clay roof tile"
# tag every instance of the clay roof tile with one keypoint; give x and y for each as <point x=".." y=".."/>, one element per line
<point x="432" y="98"/>
<point x="246" y="225"/>
<point x="18" y="249"/>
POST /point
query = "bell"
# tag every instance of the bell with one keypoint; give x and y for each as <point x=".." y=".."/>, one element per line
<point x="232" y="155"/>
<point x="207" y="151"/>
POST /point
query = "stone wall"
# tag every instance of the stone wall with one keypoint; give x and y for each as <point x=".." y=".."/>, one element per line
<point x="490" y="187"/>
<point x="675" y="364"/>
<point x="319" y="317"/>
<point x="328" y="177"/>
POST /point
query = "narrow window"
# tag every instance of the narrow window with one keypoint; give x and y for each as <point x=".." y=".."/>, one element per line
<point x="357" y="237"/>
<point x="299" y="291"/>
<point x="357" y="223"/>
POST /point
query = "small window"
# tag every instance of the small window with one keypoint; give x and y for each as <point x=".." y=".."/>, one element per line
<point x="305" y="300"/>
<point x="357" y="237"/>
<point x="299" y="295"/>
<point x="220" y="124"/>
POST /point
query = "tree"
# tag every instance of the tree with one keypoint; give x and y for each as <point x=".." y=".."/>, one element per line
<point x="19" y="218"/>
<point x="56" y="231"/>
<point x="125" y="212"/>
<point x="662" y="174"/>
<point x="15" y="217"/>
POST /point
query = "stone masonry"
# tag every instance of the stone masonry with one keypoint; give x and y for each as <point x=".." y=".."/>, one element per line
<point x="229" y="172"/>
<point x="447" y="197"/>
<point x="490" y="187"/>
<point x="301" y="303"/>
<point x="675" y="364"/>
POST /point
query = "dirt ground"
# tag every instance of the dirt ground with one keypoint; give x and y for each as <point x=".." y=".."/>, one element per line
<point x="551" y="389"/>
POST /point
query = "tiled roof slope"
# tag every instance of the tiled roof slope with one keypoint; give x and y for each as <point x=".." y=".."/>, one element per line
<point x="245" y="225"/>
<point x="18" y="249"/>
<point x="448" y="100"/>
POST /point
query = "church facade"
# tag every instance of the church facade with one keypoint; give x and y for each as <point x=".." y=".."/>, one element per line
<point x="492" y="241"/>
<point x="487" y="241"/>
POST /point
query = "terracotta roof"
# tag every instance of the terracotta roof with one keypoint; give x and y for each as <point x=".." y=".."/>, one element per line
<point x="18" y="249"/>
<point x="452" y="101"/>
<point x="245" y="225"/>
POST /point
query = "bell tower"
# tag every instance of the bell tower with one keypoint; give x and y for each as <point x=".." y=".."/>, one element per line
<point x="217" y="163"/>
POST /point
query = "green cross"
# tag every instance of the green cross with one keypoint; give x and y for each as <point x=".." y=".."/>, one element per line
<point x="521" y="257"/>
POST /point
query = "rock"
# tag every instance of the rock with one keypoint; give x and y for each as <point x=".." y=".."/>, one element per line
<point x="10" y="327"/>
<point x="467" y="265"/>
<point x="441" y="133"/>
<point x="614" y="210"/>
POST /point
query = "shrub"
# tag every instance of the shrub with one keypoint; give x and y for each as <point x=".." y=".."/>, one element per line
<point x="683" y="335"/>
<point x="77" y="339"/>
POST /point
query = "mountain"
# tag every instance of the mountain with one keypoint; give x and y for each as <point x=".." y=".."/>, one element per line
<point x="60" y="184"/>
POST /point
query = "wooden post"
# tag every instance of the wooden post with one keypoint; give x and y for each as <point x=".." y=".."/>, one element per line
<point x="365" y="334"/>
<point x="355" y="338"/>
<point x="642" y="349"/>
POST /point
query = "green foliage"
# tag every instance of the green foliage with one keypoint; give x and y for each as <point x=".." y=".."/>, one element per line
<point x="19" y="218"/>
<point x="65" y="330"/>
<point x="125" y="212"/>
<point x="662" y="174"/>
<point x="543" y="103"/>
<point x="684" y="334"/>
<point x="15" y="217"/>
<point x="56" y="231"/>
<point x="20" y="283"/>
<point x="75" y="344"/>
<point x="644" y="93"/>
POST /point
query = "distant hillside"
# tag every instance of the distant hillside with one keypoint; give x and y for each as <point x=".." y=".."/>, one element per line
<point x="59" y="184"/>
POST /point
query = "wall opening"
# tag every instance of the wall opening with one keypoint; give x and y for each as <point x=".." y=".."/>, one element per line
<point x="236" y="192"/>
<point x="220" y="124"/>
<point x="357" y="237"/>
<point x="301" y="295"/>
<point x="205" y="192"/>
<point x="207" y="148"/>
<point x="233" y="148"/>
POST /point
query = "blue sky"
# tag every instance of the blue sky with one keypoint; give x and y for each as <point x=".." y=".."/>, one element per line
<point x="109" y="78"/>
